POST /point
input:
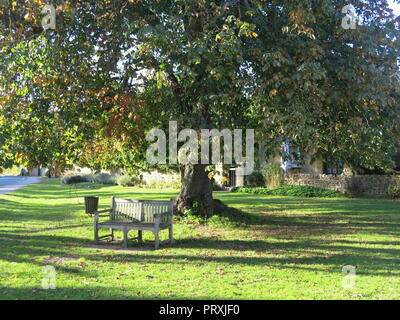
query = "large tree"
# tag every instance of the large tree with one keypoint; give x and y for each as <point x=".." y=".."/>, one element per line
<point x="89" y="91"/>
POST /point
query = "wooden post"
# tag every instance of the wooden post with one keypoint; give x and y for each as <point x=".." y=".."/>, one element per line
<point x="112" y="207"/>
<point x="111" y="215"/>
<point x="171" y="239"/>
<point x="157" y="239"/>
<point x="141" y="206"/>
<point x="171" y="221"/>
<point x="157" y="231"/>
<point x="125" y="238"/>
<point x="96" y="230"/>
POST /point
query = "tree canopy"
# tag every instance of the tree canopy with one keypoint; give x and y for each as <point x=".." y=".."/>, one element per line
<point x="88" y="91"/>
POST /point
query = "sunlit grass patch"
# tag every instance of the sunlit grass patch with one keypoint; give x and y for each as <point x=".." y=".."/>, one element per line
<point x="294" y="249"/>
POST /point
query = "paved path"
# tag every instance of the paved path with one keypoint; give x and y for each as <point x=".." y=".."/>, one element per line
<point x="8" y="184"/>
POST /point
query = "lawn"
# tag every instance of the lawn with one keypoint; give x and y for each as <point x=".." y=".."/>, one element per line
<point x="295" y="249"/>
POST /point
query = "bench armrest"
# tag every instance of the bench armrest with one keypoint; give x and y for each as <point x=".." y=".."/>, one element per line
<point x="162" y="216"/>
<point x="102" y="211"/>
<point x="97" y="214"/>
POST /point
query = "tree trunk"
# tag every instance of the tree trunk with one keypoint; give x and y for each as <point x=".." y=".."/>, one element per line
<point x="196" y="188"/>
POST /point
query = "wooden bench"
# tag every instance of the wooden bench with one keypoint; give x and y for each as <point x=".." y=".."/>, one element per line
<point x="141" y="215"/>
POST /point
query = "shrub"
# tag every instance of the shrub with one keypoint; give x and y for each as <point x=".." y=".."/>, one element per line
<point x="102" y="178"/>
<point x="229" y="217"/>
<point x="393" y="192"/>
<point x="292" y="191"/>
<point x="74" y="179"/>
<point x="255" y="179"/>
<point x="259" y="190"/>
<point x="193" y="214"/>
<point x="163" y="183"/>
<point x="127" y="180"/>
<point x="273" y="175"/>
<point x="13" y="171"/>
<point x="217" y="187"/>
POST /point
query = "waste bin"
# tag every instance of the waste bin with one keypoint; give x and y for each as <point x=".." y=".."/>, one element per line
<point x="91" y="204"/>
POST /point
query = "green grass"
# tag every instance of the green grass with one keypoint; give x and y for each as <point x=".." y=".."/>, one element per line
<point x="292" y="191"/>
<point x="295" y="249"/>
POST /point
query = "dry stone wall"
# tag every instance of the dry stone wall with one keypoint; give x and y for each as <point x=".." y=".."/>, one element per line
<point x="368" y="185"/>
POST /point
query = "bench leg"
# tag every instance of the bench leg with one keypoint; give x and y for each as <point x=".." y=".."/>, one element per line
<point x="96" y="235"/>
<point x="157" y="239"/>
<point x="112" y="234"/>
<point x="171" y="240"/>
<point x="125" y="238"/>
<point x="140" y="236"/>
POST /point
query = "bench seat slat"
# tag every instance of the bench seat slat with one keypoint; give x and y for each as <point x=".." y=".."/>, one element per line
<point x="131" y="225"/>
<point x="130" y="214"/>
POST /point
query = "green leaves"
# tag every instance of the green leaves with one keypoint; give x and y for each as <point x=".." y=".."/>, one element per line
<point x="286" y="68"/>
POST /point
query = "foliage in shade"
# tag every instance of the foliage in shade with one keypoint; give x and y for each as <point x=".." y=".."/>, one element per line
<point x="393" y="192"/>
<point x="273" y="175"/>
<point x="101" y="178"/>
<point x="292" y="191"/>
<point x="255" y="179"/>
<point x="74" y="179"/>
<point x="125" y="180"/>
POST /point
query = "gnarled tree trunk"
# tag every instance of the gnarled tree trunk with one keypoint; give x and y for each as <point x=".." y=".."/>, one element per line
<point x="196" y="187"/>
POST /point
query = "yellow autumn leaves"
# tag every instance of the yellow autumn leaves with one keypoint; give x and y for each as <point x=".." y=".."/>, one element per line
<point x="273" y="93"/>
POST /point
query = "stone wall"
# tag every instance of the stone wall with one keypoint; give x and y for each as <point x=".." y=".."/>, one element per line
<point x="368" y="185"/>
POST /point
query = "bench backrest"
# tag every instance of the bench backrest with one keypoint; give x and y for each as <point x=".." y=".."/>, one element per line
<point x="139" y="210"/>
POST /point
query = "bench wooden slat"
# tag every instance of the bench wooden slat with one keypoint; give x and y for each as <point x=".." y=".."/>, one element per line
<point x="131" y="214"/>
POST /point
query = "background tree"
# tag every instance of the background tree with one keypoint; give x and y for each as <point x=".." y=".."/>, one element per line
<point x="88" y="91"/>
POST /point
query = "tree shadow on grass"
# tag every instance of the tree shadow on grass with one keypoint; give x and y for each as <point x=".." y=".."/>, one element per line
<point x="98" y="293"/>
<point x="343" y="221"/>
<point x="295" y="256"/>
<point x="283" y="255"/>
<point x="24" y="211"/>
<point x="321" y="205"/>
<point x="76" y="293"/>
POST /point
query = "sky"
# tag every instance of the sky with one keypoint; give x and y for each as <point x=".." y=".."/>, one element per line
<point x="395" y="7"/>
